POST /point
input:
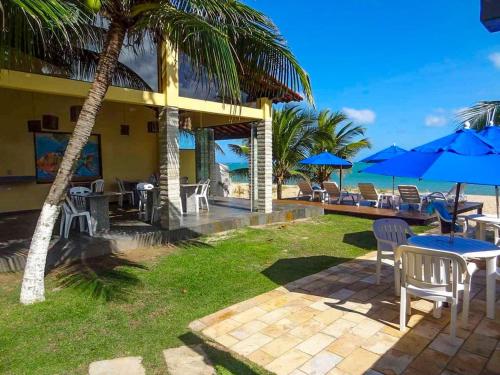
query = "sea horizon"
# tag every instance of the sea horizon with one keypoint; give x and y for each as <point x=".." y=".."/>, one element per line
<point x="352" y="177"/>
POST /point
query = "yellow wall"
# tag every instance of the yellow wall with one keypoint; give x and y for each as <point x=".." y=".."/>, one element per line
<point x="188" y="165"/>
<point x="132" y="157"/>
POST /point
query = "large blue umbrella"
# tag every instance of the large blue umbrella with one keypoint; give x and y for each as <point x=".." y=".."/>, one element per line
<point x="325" y="158"/>
<point x="386" y="154"/>
<point x="492" y="134"/>
<point x="461" y="157"/>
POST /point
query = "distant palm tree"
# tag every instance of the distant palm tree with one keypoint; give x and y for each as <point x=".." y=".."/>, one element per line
<point x="224" y="39"/>
<point x="337" y="135"/>
<point x="480" y="114"/>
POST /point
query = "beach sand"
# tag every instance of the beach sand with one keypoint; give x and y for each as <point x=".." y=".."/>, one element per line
<point x="240" y="190"/>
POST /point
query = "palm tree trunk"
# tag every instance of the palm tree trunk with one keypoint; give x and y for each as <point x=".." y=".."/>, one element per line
<point x="33" y="289"/>
<point x="279" y="187"/>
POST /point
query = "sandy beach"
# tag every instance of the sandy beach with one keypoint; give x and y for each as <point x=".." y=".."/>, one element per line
<point x="240" y="190"/>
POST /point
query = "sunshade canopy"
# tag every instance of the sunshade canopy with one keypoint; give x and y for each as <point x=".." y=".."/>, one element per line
<point x="385" y="154"/>
<point x="325" y="158"/>
<point x="492" y="134"/>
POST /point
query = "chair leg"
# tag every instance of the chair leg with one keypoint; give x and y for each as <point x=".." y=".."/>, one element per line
<point x="453" y="322"/>
<point x="465" y="308"/>
<point x="408" y="304"/>
<point x="89" y="224"/>
<point x="120" y="200"/>
<point x="436" y="312"/>
<point x="402" y="309"/>
<point x="378" y="266"/>
<point x="206" y="201"/>
<point x="68" y="226"/>
<point x="397" y="279"/>
<point x="61" y="225"/>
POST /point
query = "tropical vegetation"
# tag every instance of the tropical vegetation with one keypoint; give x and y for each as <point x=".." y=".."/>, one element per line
<point x="481" y="114"/>
<point x="224" y="40"/>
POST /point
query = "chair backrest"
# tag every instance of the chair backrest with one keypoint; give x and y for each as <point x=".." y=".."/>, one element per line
<point x="121" y="186"/>
<point x="68" y="205"/>
<point x="305" y="187"/>
<point x="79" y="202"/>
<point x="445" y="218"/>
<point x="205" y="187"/>
<point x="80" y="190"/>
<point x="142" y="187"/>
<point x="394" y="230"/>
<point x="432" y="270"/>
<point x="332" y="188"/>
<point x="97" y="186"/>
<point x="409" y="194"/>
<point x="368" y="191"/>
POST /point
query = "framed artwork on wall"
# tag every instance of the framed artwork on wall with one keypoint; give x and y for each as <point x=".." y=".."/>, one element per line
<point x="49" y="151"/>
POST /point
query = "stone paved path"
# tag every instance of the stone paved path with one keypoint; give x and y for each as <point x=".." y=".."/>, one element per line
<point x="118" y="366"/>
<point x="339" y="322"/>
<point x="188" y="360"/>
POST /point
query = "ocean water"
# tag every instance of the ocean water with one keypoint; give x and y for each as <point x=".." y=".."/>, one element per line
<point x="352" y="177"/>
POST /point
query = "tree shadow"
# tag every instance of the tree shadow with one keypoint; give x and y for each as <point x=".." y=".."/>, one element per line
<point x="284" y="271"/>
<point x="108" y="278"/>
<point x="364" y="239"/>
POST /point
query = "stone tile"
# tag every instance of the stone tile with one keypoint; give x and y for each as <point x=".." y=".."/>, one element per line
<point x="247" y="329"/>
<point x="279" y="328"/>
<point x="118" y="366"/>
<point x="342" y="294"/>
<point x="489" y="327"/>
<point x="411" y="344"/>
<point x="251" y="344"/>
<point x="365" y="294"/>
<point x="187" y="360"/>
<point x="358" y="362"/>
<point x="307" y="329"/>
<point x="427" y="328"/>
<point x="480" y="344"/>
<point x="226" y="340"/>
<point x="337" y="371"/>
<point x="274" y="315"/>
<point x="288" y="362"/>
<point x="367" y="328"/>
<point x="221" y="328"/>
<point x="321" y="305"/>
<point x="430" y="362"/>
<point x="261" y="358"/>
<point x="249" y="315"/>
<point x="281" y="345"/>
<point x="339" y="327"/>
<point x="393" y="362"/>
<point x="493" y="366"/>
<point x="197" y="326"/>
<point x="393" y="330"/>
<point x="345" y="345"/>
<point x="379" y="343"/>
<point x="303" y="315"/>
<point x="297" y="372"/>
<point x="315" y="343"/>
<point x="466" y="363"/>
<point x="444" y="344"/>
<point x="354" y="317"/>
<point x="321" y="363"/>
<point x="329" y="316"/>
<point x="217" y="317"/>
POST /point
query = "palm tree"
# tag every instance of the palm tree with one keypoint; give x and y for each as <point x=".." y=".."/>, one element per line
<point x="224" y="39"/>
<point x="480" y="114"/>
<point x="292" y="138"/>
<point x="338" y="136"/>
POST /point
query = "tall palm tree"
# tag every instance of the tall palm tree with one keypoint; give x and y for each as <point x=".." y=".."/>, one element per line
<point x="224" y="39"/>
<point x="480" y="114"/>
<point x="337" y="135"/>
<point x="292" y="138"/>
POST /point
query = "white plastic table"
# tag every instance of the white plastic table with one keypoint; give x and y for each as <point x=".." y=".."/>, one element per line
<point x="468" y="248"/>
<point x="482" y="222"/>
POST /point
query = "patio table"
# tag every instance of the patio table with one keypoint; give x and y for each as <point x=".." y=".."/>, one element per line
<point x="98" y="204"/>
<point x="188" y="197"/>
<point x="482" y="222"/>
<point x="468" y="248"/>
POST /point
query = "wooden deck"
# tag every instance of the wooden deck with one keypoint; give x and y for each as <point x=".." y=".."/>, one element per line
<point x="412" y="217"/>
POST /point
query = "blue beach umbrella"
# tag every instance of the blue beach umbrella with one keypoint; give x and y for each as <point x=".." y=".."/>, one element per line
<point x="325" y="158"/>
<point x="386" y="154"/>
<point x="461" y="157"/>
<point x="492" y="135"/>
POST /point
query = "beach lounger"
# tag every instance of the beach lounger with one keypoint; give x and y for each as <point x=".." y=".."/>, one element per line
<point x="410" y="195"/>
<point x="334" y="194"/>
<point x="369" y="194"/>
<point x="450" y="195"/>
<point x="306" y="190"/>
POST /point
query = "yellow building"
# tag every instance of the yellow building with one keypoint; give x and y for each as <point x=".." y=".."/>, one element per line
<point x="137" y="131"/>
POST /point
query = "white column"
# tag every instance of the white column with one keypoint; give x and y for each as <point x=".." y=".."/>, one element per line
<point x="170" y="202"/>
<point x="265" y="166"/>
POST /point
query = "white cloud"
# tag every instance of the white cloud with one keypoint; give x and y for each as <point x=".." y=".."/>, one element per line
<point x="435" y="121"/>
<point x="361" y="116"/>
<point x="495" y="59"/>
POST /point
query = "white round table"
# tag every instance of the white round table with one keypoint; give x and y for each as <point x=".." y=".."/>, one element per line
<point x="468" y="248"/>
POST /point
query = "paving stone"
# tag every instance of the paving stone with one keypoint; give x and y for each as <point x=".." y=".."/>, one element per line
<point x="354" y="316"/>
<point x="430" y="362"/>
<point x="188" y="360"/>
<point x="367" y="328"/>
<point x="249" y="315"/>
<point x="329" y="316"/>
<point x="379" y="343"/>
<point x="342" y="294"/>
<point x="279" y="328"/>
<point x="358" y="362"/>
<point x="274" y="315"/>
<point x="489" y="327"/>
<point x="226" y="340"/>
<point x="261" y="358"/>
<point x="345" y="345"/>
<point x="118" y="366"/>
<point x="251" y="344"/>
<point x="493" y="365"/>
<point x="393" y="362"/>
<point x="321" y="363"/>
<point x="339" y="327"/>
<point x="288" y="362"/>
<point x="247" y="329"/>
<point x="308" y="329"/>
<point x="466" y="363"/>
<point x="316" y="343"/>
<point x="281" y="345"/>
<point x="427" y="328"/>
<point x="444" y="344"/>
<point x="221" y="328"/>
<point x="411" y="344"/>
<point x="480" y="344"/>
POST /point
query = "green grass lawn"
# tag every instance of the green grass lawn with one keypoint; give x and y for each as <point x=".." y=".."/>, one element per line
<point x="139" y="309"/>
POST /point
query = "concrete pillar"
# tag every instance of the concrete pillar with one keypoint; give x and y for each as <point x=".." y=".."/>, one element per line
<point x="264" y="137"/>
<point x="170" y="200"/>
<point x="253" y="192"/>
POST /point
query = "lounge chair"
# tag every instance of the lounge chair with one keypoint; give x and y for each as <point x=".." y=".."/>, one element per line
<point x="306" y="190"/>
<point x="333" y="193"/>
<point x="410" y="195"/>
<point x="450" y="195"/>
<point x="462" y="227"/>
<point x="369" y="194"/>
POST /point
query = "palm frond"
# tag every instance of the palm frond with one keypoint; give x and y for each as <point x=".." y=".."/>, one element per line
<point x="479" y="114"/>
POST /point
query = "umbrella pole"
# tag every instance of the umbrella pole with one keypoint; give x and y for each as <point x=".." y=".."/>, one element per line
<point x="455" y="211"/>
<point x="497" y="199"/>
<point x="340" y="180"/>
<point x="393" y="178"/>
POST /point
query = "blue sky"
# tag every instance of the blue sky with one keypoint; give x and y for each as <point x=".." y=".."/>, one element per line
<point x="401" y="68"/>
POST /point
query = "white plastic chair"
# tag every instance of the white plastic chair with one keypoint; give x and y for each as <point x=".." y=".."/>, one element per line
<point x="434" y="275"/>
<point x="333" y="193"/>
<point x="69" y="212"/>
<point x="97" y="186"/>
<point x="80" y="190"/>
<point x="77" y="195"/>
<point x="124" y="193"/>
<point x="306" y="190"/>
<point x="390" y="234"/>
<point x="369" y="194"/>
<point x="201" y="195"/>
<point x="142" y="189"/>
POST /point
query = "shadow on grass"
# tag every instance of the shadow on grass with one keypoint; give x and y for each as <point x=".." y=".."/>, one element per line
<point x="223" y="361"/>
<point x="109" y="278"/>
<point x="364" y="240"/>
<point x="284" y="271"/>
